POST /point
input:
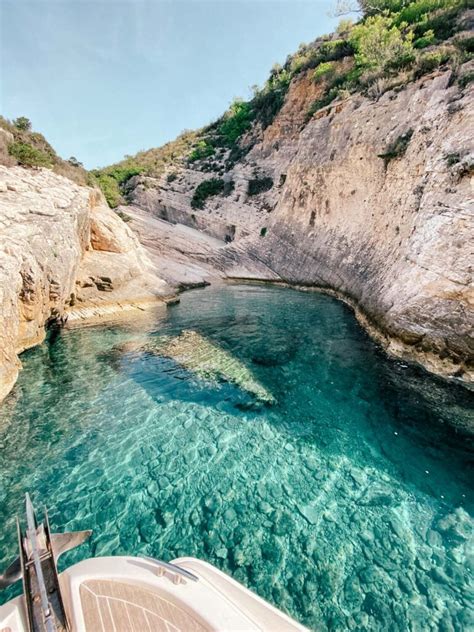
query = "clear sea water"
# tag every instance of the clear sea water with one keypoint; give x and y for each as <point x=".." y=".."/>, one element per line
<point x="348" y="503"/>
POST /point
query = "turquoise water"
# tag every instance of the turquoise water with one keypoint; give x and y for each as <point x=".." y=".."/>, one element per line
<point x="348" y="503"/>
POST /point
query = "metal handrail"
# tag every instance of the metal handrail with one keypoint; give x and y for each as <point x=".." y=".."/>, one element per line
<point x="174" y="568"/>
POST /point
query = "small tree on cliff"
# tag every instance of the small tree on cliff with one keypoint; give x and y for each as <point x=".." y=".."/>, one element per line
<point x="22" y="123"/>
<point x="381" y="45"/>
<point x="74" y="162"/>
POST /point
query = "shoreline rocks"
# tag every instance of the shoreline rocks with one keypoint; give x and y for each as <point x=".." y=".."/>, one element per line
<point x="62" y="250"/>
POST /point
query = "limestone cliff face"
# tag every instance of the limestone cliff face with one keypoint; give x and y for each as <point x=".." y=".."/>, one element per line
<point x="371" y="199"/>
<point x="392" y="235"/>
<point x="62" y="252"/>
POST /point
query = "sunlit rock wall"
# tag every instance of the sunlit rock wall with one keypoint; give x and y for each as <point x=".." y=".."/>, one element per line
<point x="62" y="251"/>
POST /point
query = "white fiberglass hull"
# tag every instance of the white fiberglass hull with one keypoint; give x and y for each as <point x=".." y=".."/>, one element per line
<point x="115" y="594"/>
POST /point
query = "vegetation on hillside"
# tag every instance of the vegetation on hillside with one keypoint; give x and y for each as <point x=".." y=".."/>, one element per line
<point x="393" y="43"/>
<point x="31" y="149"/>
<point x="28" y="156"/>
<point x="259" y="185"/>
<point x="206" y="189"/>
<point x="114" y="180"/>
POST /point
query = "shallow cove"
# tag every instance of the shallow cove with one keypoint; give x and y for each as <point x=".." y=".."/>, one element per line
<point x="348" y="503"/>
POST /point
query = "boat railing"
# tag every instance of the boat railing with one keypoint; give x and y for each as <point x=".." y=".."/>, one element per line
<point x="176" y="570"/>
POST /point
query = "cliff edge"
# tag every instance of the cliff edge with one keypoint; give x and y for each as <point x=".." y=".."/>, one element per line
<point x="377" y="205"/>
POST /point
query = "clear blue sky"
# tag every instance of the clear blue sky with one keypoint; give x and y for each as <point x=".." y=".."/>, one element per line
<point x="105" y="78"/>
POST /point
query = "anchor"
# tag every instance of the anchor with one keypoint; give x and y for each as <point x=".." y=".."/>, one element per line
<point x="37" y="567"/>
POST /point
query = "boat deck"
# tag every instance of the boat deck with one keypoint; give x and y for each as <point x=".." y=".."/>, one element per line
<point x="127" y="594"/>
<point x="112" y="605"/>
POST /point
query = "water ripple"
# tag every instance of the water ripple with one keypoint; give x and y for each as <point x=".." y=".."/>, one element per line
<point x="348" y="502"/>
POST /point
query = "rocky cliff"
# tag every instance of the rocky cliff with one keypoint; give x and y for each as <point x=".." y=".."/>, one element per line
<point x="391" y="233"/>
<point x="350" y="171"/>
<point x="63" y="254"/>
<point x="371" y="198"/>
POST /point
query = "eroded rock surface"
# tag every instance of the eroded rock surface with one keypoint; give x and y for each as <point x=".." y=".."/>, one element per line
<point x="182" y="255"/>
<point x="393" y="236"/>
<point x="63" y="254"/>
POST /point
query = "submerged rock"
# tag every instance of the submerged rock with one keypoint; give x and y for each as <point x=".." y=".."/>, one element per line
<point x="210" y="362"/>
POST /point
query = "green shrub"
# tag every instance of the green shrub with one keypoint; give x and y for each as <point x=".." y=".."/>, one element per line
<point x="237" y="121"/>
<point x="416" y="11"/>
<point x="202" y="150"/>
<point x="110" y="188"/>
<point x="113" y="180"/>
<point x="397" y="148"/>
<point x="171" y="177"/>
<point x="263" y="231"/>
<point x="466" y="79"/>
<point x="123" y="174"/>
<point x="428" y="62"/>
<point x="335" y="50"/>
<point x="29" y="156"/>
<point x="326" y="69"/>
<point x="351" y="78"/>
<point x="400" y="62"/>
<point x="344" y="26"/>
<point x="466" y="44"/>
<point x="259" y="185"/>
<point x="379" y="44"/>
<point x="425" y="40"/>
<point x="268" y="101"/>
<point x="442" y="23"/>
<point x="206" y="189"/>
<point x="297" y="63"/>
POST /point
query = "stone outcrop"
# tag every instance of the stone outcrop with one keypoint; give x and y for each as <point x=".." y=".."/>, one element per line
<point x="371" y="199"/>
<point x="63" y="254"/>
